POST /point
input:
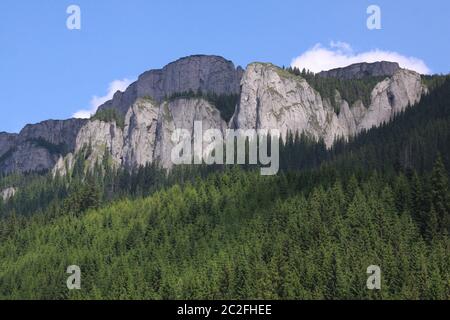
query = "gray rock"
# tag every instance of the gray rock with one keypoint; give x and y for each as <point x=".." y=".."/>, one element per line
<point x="140" y="133"/>
<point x="57" y="132"/>
<point x="27" y="157"/>
<point x="272" y="98"/>
<point x="7" y="141"/>
<point x="362" y="70"/>
<point x="181" y="114"/>
<point x="8" y="193"/>
<point x="38" y="146"/>
<point x="146" y="137"/>
<point x="209" y="74"/>
<point x="392" y="96"/>
<point x="102" y="138"/>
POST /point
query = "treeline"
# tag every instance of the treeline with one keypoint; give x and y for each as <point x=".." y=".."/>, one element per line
<point x="110" y="115"/>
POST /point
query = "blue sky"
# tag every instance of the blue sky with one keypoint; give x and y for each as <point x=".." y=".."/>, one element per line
<point x="50" y="72"/>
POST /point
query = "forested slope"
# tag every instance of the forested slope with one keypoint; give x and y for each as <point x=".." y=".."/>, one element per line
<point x="213" y="232"/>
<point x="237" y="235"/>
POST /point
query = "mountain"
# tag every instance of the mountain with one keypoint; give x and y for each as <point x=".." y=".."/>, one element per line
<point x="211" y="74"/>
<point x="270" y="98"/>
<point x="381" y="198"/>
<point x="273" y="98"/>
<point x="363" y="70"/>
<point x="134" y="128"/>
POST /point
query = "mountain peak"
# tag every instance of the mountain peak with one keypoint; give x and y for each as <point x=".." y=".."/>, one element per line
<point x="206" y="73"/>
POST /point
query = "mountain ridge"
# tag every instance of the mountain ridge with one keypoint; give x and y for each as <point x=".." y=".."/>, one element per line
<point x="362" y="70"/>
<point x="211" y="74"/>
<point x="207" y="73"/>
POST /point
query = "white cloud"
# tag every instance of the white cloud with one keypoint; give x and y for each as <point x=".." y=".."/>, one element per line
<point x="116" y="85"/>
<point x="341" y="54"/>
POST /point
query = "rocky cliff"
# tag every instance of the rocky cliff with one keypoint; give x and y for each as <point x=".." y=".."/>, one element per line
<point x="37" y="147"/>
<point x="146" y="136"/>
<point x="272" y="98"/>
<point x="363" y="70"/>
<point x="208" y="74"/>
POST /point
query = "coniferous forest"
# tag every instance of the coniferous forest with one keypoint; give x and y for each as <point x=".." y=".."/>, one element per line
<point x="203" y="232"/>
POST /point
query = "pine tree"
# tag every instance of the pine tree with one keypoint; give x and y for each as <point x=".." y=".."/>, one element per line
<point x="440" y="194"/>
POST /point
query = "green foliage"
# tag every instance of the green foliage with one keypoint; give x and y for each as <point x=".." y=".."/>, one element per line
<point x="110" y="115"/>
<point x="234" y="235"/>
<point x="440" y="196"/>
<point x="435" y="81"/>
<point x="83" y="198"/>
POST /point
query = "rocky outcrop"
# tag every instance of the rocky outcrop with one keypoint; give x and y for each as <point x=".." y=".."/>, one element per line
<point x="141" y="125"/>
<point x="392" y="96"/>
<point x="100" y="139"/>
<point x="182" y="114"/>
<point x="56" y="132"/>
<point x="363" y="70"/>
<point x="7" y="193"/>
<point x="147" y="135"/>
<point x="37" y="147"/>
<point x="208" y="74"/>
<point x="272" y="98"/>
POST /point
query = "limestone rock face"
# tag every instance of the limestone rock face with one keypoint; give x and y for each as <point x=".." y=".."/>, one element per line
<point x="56" y="132"/>
<point x="362" y="70"/>
<point x="100" y="139"/>
<point x="209" y="74"/>
<point x="272" y="98"/>
<point x="182" y="114"/>
<point x="392" y="96"/>
<point x="37" y="147"/>
<point x="140" y="134"/>
<point x="146" y="136"/>
<point x="27" y="157"/>
<point x="8" y="193"/>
